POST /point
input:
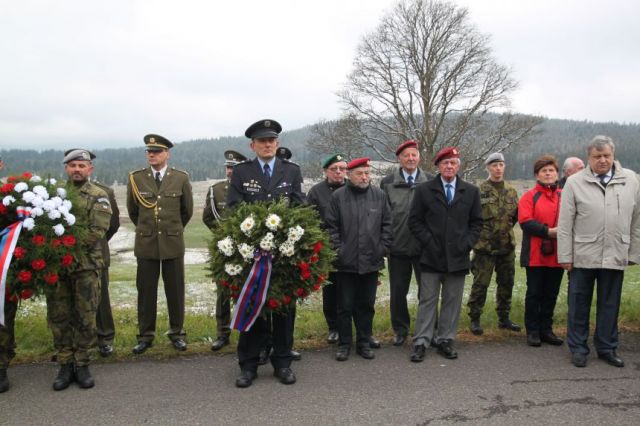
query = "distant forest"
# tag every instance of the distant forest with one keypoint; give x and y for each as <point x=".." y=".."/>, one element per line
<point x="203" y="158"/>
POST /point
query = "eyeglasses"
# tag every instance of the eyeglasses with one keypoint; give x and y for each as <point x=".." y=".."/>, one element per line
<point x="337" y="169"/>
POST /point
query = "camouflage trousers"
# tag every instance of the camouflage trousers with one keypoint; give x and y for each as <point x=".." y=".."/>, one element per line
<point x="71" y="314"/>
<point x="7" y="334"/>
<point x="482" y="267"/>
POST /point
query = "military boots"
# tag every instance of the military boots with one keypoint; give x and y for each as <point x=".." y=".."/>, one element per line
<point x="4" y="380"/>
<point x="65" y="376"/>
<point x="83" y="377"/>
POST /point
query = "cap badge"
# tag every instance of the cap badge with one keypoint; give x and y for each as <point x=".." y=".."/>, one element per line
<point x="267" y="123"/>
<point x="339" y="157"/>
<point x="152" y="140"/>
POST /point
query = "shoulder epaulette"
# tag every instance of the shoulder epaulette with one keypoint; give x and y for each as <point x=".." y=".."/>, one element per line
<point x="178" y="170"/>
<point x="247" y="161"/>
<point x="290" y="162"/>
<point x="137" y="171"/>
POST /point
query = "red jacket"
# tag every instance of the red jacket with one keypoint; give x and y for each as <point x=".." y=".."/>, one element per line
<point x="538" y="211"/>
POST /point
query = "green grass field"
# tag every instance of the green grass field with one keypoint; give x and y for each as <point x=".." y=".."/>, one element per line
<point x="35" y="342"/>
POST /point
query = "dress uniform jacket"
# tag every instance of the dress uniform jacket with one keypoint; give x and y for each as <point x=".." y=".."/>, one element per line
<point x="162" y="238"/>
<point x="249" y="184"/>
<point x="215" y="203"/>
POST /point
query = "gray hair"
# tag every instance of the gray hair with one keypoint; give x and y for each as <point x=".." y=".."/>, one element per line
<point x="599" y="143"/>
<point x="570" y="163"/>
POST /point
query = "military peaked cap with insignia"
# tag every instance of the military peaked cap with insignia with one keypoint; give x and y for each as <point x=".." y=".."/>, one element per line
<point x="283" y="153"/>
<point x="263" y="129"/>
<point x="157" y="142"/>
<point x="332" y="159"/>
<point x="78" y="154"/>
<point x="231" y="158"/>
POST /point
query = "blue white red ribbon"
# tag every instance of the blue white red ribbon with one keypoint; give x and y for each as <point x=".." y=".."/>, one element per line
<point x="8" y="240"/>
<point x="254" y="293"/>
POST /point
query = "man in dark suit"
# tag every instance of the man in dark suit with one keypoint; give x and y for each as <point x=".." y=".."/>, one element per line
<point x="266" y="178"/>
<point x="160" y="203"/>
<point x="446" y="218"/>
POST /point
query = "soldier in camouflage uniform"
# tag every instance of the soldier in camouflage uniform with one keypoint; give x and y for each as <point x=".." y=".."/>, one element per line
<point x="71" y="306"/>
<point x="496" y="247"/>
<point x="215" y="204"/>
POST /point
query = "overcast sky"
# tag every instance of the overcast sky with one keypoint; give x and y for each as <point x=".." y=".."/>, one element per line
<point x="100" y="74"/>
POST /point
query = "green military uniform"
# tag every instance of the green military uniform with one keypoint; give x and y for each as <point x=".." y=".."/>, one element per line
<point x="160" y="213"/>
<point x="71" y="306"/>
<point x="495" y="249"/>
<point x="104" y="318"/>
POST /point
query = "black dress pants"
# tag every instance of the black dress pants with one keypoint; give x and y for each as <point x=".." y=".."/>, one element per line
<point x="400" y="270"/>
<point x="356" y="300"/>
<point x="277" y="327"/>
<point x="543" y="285"/>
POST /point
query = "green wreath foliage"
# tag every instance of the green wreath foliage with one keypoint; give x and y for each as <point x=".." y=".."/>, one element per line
<point x="297" y="271"/>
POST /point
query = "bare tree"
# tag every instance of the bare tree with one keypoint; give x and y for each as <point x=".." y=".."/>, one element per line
<point x="342" y="136"/>
<point x="427" y="74"/>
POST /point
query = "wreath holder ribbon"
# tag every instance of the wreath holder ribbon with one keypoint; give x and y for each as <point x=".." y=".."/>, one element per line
<point x="8" y="240"/>
<point x="254" y="293"/>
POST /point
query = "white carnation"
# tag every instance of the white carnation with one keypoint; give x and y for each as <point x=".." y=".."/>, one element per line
<point x="28" y="223"/>
<point x="20" y="186"/>
<point x="226" y="246"/>
<point x="35" y="178"/>
<point x="246" y="251"/>
<point x="232" y="269"/>
<point x="273" y="222"/>
<point x="28" y="196"/>
<point x="62" y="193"/>
<point x="247" y="225"/>
<point x="40" y="191"/>
<point x="36" y="211"/>
<point x="58" y="229"/>
<point x="48" y="205"/>
<point x="63" y="209"/>
<point x="37" y="202"/>
<point x="54" y="214"/>
<point x="8" y="199"/>
<point x="57" y="201"/>
<point x="67" y="204"/>
<point x="71" y="219"/>
<point x="51" y="181"/>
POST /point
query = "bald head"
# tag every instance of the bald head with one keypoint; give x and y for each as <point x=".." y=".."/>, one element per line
<point x="572" y="165"/>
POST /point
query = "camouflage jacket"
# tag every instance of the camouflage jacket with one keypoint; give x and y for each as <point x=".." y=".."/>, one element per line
<point x="499" y="202"/>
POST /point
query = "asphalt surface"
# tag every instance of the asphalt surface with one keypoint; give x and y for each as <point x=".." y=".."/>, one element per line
<point x="490" y="383"/>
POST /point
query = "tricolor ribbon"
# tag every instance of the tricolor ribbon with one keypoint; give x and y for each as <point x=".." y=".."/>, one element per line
<point x="254" y="293"/>
<point x="8" y="240"/>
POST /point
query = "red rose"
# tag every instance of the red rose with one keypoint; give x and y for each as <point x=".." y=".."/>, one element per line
<point x="19" y="253"/>
<point x="55" y="243"/>
<point x="69" y="240"/>
<point x="24" y="276"/>
<point x="235" y="296"/>
<point x="38" y="264"/>
<point x="3" y="209"/>
<point x="12" y="179"/>
<point x="321" y="278"/>
<point x="286" y="299"/>
<point x="317" y="247"/>
<point x="233" y="287"/>
<point x="38" y="240"/>
<point x="26" y="293"/>
<point x="224" y="283"/>
<point x="12" y="298"/>
<point x="273" y="304"/>
<point x="300" y="292"/>
<point x="305" y="275"/>
<point x="314" y="258"/>
<point x="316" y="287"/>
<point x="66" y="260"/>
<point x="7" y="187"/>
<point x="51" y="278"/>
<point x="27" y="175"/>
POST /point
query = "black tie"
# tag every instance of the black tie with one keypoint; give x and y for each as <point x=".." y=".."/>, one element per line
<point x="267" y="172"/>
<point x="410" y="180"/>
<point x="158" y="181"/>
<point x="603" y="180"/>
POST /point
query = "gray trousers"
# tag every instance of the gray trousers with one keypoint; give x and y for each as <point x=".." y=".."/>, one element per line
<point x="434" y="286"/>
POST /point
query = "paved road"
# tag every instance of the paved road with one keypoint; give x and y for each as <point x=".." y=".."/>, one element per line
<point x="491" y="383"/>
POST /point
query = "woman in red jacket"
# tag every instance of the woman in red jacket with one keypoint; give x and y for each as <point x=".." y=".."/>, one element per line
<point x="538" y="211"/>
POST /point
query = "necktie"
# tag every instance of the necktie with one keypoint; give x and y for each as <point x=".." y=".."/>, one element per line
<point x="449" y="193"/>
<point x="158" y="181"/>
<point x="410" y="180"/>
<point x="267" y="172"/>
<point x="603" y="179"/>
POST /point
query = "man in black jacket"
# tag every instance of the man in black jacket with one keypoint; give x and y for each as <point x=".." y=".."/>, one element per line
<point x="359" y="222"/>
<point x="447" y="219"/>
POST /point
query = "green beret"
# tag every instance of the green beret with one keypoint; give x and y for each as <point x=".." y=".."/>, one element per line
<point x="332" y="159"/>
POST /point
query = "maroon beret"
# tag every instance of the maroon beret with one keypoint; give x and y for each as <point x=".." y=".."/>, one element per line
<point x="406" y="144"/>
<point x="444" y="153"/>
<point x="358" y="162"/>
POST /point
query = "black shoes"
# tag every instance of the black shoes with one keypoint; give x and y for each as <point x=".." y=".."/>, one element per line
<point x="533" y="339"/>
<point x="285" y="375"/>
<point x="509" y="325"/>
<point x="476" y="328"/>
<point x="550" y="338"/>
<point x="141" y="347"/>
<point x="4" y="380"/>
<point x="245" y="378"/>
<point x="333" y="337"/>
<point x="374" y="343"/>
<point x="365" y="353"/>
<point x="179" y="344"/>
<point x="445" y="348"/>
<point x="105" y="350"/>
<point x="295" y="355"/>
<point x="612" y="359"/>
<point x="399" y="340"/>
<point x="418" y="353"/>
<point x="83" y="377"/>
<point x="65" y="377"/>
<point x="264" y="356"/>
<point x="579" y="359"/>
<point x="342" y="354"/>
<point x="220" y="343"/>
